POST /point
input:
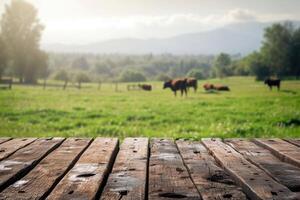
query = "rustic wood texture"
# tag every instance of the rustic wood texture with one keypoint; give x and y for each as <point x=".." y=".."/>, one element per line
<point x="168" y="177"/>
<point x="294" y="141"/>
<point x="2" y="140"/>
<point x="10" y="147"/>
<point x="254" y="181"/>
<point x="129" y="174"/>
<point x="39" y="181"/>
<point x="212" y="182"/>
<point x="283" y="150"/>
<point x="285" y="173"/>
<point x="18" y="164"/>
<point x="87" y="176"/>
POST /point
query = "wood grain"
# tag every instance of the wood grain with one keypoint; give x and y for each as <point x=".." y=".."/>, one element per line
<point x="254" y="181"/>
<point x="86" y="178"/>
<point x="294" y="141"/>
<point x="212" y="182"/>
<point x="284" y="173"/>
<point x="10" y="147"/>
<point x="129" y="175"/>
<point x="21" y="162"/>
<point x="168" y="177"/>
<point x="283" y="150"/>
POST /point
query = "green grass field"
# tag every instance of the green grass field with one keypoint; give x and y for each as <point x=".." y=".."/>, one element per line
<point x="249" y="110"/>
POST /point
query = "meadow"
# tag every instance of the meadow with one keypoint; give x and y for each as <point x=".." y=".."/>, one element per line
<point x="248" y="110"/>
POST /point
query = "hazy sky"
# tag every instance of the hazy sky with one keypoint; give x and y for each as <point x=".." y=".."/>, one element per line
<point x="85" y="21"/>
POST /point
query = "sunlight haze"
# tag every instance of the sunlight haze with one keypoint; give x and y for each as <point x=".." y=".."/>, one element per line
<point x="87" y="21"/>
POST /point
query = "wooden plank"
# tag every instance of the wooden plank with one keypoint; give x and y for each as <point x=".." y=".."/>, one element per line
<point x="86" y="178"/>
<point x="4" y="139"/>
<point x="211" y="180"/>
<point x="10" y="147"/>
<point x="43" y="178"/>
<point x="129" y="174"/>
<point x="294" y="141"/>
<point x="25" y="159"/>
<point x="284" y="173"/>
<point x="168" y="177"/>
<point x="254" y="181"/>
<point x="283" y="150"/>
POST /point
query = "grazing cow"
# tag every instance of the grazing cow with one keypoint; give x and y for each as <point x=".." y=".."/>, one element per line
<point x="192" y="82"/>
<point x="145" y="87"/>
<point x="177" y="84"/>
<point x="273" y="82"/>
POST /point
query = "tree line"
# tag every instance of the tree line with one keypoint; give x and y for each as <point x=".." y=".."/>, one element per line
<point x="22" y="58"/>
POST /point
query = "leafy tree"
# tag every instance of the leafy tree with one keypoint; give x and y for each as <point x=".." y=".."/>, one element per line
<point x="132" y="76"/>
<point x="222" y="65"/>
<point x="62" y="75"/>
<point x="81" y="78"/>
<point x="277" y="48"/>
<point x="257" y="66"/>
<point x="3" y="57"/>
<point x="296" y="53"/>
<point x="21" y="31"/>
<point x="196" y="73"/>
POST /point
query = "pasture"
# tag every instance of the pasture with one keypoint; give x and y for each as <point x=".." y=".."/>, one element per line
<point x="248" y="110"/>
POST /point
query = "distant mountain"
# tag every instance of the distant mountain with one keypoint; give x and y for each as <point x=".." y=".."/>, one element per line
<point x="235" y="38"/>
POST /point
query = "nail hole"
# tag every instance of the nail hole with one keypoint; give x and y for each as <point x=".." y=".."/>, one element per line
<point x="227" y="196"/>
<point x="172" y="195"/>
<point x="123" y="192"/>
<point x="71" y="192"/>
<point x="21" y="191"/>
<point x="274" y="193"/>
<point x="85" y="175"/>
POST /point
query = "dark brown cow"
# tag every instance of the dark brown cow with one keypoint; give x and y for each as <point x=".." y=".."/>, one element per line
<point x="209" y="86"/>
<point x="221" y="88"/>
<point x="273" y="82"/>
<point x="177" y="84"/>
<point x="145" y="87"/>
<point x="192" y="82"/>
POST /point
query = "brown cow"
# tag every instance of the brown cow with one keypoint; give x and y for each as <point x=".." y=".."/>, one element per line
<point x="209" y="86"/>
<point x="192" y="82"/>
<point x="145" y="87"/>
<point x="177" y="84"/>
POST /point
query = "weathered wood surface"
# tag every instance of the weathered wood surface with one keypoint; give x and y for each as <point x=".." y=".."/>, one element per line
<point x="18" y="164"/>
<point x="10" y="147"/>
<point x="129" y="175"/>
<point x="2" y="140"/>
<point x="282" y="149"/>
<point x="212" y="182"/>
<point x="168" y="177"/>
<point x="254" y="181"/>
<point x="294" y="141"/>
<point x="86" y="179"/>
<point x="39" y="181"/>
<point x="285" y="173"/>
<point x="83" y="169"/>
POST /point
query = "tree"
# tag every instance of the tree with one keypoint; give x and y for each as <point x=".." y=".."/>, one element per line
<point x="163" y="77"/>
<point x="257" y="66"/>
<point x="81" y="78"/>
<point x="21" y="31"/>
<point x="62" y="75"/>
<point x="132" y="76"/>
<point x="3" y="57"/>
<point x="296" y="53"/>
<point x="222" y="64"/>
<point x="196" y="73"/>
<point x="277" y="48"/>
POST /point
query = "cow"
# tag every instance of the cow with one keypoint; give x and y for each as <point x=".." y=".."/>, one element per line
<point x="221" y="88"/>
<point x="177" y="84"/>
<point x="208" y="86"/>
<point x="145" y="87"/>
<point x="273" y="82"/>
<point x="192" y="82"/>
